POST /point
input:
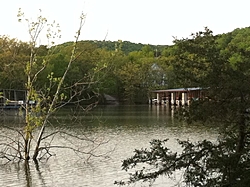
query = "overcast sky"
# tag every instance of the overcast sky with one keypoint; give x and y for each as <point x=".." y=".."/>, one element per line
<point x="139" y="21"/>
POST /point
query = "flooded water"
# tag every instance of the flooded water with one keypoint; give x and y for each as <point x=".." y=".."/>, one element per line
<point x="124" y="127"/>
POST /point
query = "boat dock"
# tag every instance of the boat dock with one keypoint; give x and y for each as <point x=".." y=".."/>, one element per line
<point x="12" y="99"/>
<point x="178" y="96"/>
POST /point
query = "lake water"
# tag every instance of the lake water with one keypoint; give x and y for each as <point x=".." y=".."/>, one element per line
<point x="124" y="127"/>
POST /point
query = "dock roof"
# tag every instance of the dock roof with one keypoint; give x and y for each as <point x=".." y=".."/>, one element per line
<point x="178" y="90"/>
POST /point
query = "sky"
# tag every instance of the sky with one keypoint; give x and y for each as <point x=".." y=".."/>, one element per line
<point x="139" y="21"/>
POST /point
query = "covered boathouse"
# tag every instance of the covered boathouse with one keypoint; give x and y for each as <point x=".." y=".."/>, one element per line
<point x="178" y="96"/>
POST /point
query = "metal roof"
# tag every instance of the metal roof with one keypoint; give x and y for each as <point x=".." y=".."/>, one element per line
<point x="179" y="90"/>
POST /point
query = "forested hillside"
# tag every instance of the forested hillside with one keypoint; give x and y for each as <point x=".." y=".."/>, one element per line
<point x="125" y="46"/>
<point x="131" y="70"/>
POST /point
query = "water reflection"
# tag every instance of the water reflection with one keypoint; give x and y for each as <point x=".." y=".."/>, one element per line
<point x="126" y="128"/>
<point x="27" y="174"/>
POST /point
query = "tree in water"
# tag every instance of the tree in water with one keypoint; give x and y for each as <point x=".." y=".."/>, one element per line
<point x="209" y="62"/>
<point x="41" y="102"/>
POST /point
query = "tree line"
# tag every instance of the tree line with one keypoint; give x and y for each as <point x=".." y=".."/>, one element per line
<point x="127" y="67"/>
<point x="130" y="70"/>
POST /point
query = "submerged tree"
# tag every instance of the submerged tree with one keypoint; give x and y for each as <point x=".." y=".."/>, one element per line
<point x="43" y="101"/>
<point x="219" y="65"/>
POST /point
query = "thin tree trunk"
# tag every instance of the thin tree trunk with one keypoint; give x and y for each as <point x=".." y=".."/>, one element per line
<point x="26" y="149"/>
<point x="38" y="142"/>
<point x="55" y="98"/>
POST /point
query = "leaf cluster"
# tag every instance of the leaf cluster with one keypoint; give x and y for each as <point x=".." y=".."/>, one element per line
<point x="220" y="65"/>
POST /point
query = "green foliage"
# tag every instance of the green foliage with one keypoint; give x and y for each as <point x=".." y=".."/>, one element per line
<point x="220" y="65"/>
<point x="179" y="64"/>
<point x="126" y="46"/>
<point x="13" y="55"/>
<point x="92" y="56"/>
<point x="206" y="164"/>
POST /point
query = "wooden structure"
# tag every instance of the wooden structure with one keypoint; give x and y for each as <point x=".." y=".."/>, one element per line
<point x="178" y="96"/>
<point x="10" y="98"/>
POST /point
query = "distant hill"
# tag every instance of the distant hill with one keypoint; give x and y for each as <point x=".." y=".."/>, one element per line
<point x="125" y="46"/>
<point x="128" y="47"/>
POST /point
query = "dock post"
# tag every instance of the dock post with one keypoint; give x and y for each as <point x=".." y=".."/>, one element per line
<point x="15" y="98"/>
<point x="184" y="99"/>
<point x="158" y="98"/>
<point x="173" y="98"/>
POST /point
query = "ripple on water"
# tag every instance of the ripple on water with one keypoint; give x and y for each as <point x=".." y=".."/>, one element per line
<point x="127" y="129"/>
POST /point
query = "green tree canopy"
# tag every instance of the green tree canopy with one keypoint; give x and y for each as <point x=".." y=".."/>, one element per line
<point x="206" y="61"/>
